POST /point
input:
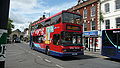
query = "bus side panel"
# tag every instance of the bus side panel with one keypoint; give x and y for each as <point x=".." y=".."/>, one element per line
<point x="109" y="47"/>
<point x="39" y="46"/>
<point x="57" y="30"/>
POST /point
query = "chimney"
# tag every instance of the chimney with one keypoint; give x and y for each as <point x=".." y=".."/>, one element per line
<point x="44" y="17"/>
<point x="41" y="18"/>
<point x="80" y="1"/>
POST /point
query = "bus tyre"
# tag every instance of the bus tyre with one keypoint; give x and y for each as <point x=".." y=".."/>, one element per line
<point x="47" y="50"/>
<point x="32" y="46"/>
<point x="2" y="64"/>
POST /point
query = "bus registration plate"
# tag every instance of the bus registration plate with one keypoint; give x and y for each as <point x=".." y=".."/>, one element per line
<point x="74" y="53"/>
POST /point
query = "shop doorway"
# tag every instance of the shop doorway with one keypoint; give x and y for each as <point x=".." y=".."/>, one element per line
<point x="93" y="44"/>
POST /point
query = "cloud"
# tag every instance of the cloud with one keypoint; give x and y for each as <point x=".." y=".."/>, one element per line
<point x="61" y="7"/>
<point x="24" y="11"/>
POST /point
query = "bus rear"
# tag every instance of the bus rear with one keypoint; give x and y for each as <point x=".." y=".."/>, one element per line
<point x="110" y="43"/>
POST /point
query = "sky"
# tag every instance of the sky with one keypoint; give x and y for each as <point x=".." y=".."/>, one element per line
<point x="22" y="12"/>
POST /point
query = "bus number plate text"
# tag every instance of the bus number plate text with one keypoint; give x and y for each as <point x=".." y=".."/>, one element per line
<point x="74" y="53"/>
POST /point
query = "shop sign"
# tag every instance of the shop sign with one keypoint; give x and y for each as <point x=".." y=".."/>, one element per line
<point x="91" y="33"/>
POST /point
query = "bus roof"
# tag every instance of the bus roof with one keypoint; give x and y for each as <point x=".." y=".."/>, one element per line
<point x="52" y="16"/>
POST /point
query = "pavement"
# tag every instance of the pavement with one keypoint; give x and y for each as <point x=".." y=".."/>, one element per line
<point x="95" y="54"/>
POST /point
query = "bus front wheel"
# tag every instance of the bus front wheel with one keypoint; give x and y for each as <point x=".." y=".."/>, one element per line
<point x="47" y="50"/>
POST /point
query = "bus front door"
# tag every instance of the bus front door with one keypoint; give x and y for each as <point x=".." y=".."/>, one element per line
<point x="118" y="42"/>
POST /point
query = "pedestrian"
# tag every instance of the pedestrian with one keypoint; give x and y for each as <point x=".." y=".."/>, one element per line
<point x="86" y="46"/>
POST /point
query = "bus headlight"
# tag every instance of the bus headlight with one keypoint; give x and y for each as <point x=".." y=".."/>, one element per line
<point x="64" y="50"/>
<point x="82" y="49"/>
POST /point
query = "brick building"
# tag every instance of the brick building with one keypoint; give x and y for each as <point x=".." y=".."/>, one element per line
<point x="89" y="9"/>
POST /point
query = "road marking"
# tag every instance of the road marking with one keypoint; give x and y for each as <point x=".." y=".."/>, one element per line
<point x="47" y="60"/>
<point x="41" y="57"/>
<point x="59" y="66"/>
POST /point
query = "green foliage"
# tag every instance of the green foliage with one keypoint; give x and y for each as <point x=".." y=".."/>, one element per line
<point x="3" y="38"/>
<point x="10" y="26"/>
<point x="101" y="17"/>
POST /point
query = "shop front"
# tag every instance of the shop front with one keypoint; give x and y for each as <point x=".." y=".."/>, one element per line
<point x="92" y="40"/>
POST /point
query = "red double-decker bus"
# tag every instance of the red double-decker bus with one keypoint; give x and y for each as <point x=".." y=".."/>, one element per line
<point x="59" y="35"/>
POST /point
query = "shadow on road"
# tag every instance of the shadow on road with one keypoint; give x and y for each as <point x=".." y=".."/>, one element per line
<point x="70" y="58"/>
<point x="115" y="60"/>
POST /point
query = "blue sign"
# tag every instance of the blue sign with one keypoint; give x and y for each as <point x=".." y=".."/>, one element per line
<point x="92" y="33"/>
<point x="86" y="33"/>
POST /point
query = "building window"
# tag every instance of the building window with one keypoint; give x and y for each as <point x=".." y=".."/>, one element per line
<point x="78" y="11"/>
<point x="107" y="7"/>
<point x="85" y="26"/>
<point x="93" y="11"/>
<point x="92" y="25"/>
<point x="117" y="2"/>
<point x="85" y="13"/>
<point x="107" y="24"/>
<point x="118" y="22"/>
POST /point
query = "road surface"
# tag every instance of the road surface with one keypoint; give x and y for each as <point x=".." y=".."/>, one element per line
<point x="19" y="55"/>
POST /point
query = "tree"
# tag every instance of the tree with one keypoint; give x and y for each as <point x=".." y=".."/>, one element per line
<point x="101" y="19"/>
<point x="10" y="26"/>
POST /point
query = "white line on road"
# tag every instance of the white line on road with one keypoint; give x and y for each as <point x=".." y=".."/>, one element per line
<point x="40" y="57"/>
<point x="59" y="66"/>
<point x="47" y="60"/>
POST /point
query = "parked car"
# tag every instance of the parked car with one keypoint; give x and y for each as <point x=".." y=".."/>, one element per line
<point x="17" y="40"/>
